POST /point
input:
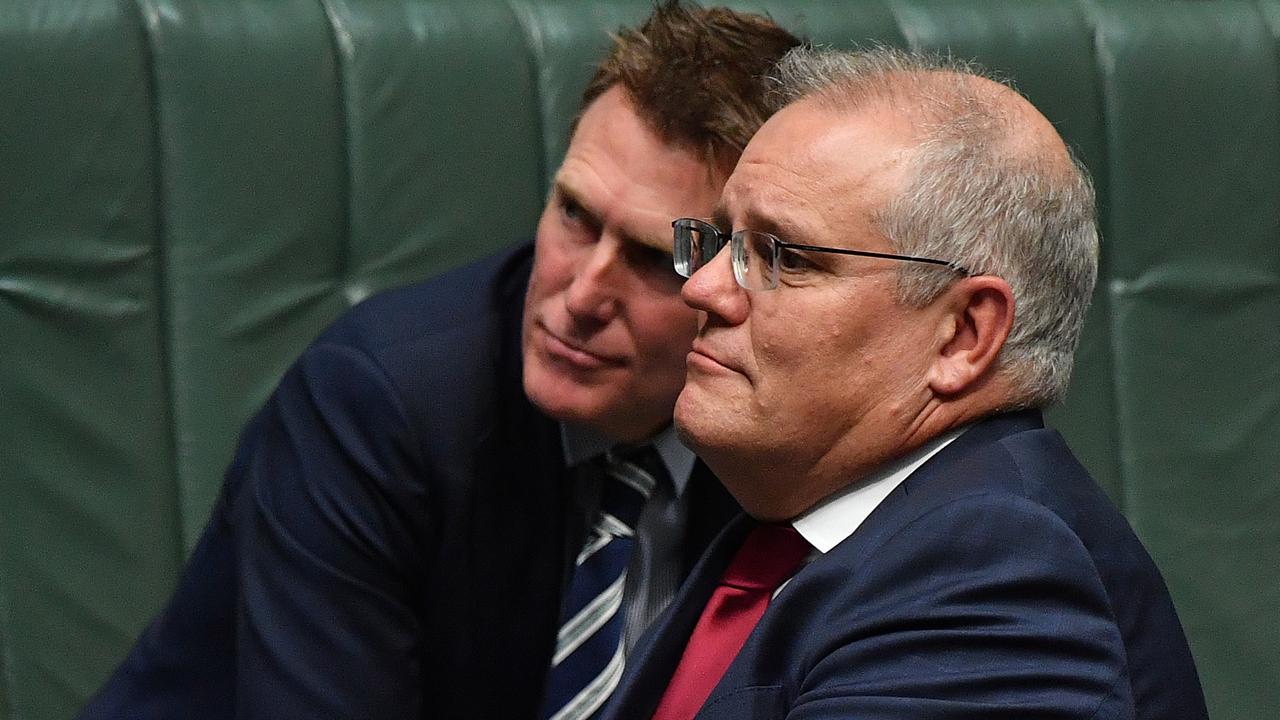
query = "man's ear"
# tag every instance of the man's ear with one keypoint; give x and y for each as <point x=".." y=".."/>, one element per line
<point x="977" y="314"/>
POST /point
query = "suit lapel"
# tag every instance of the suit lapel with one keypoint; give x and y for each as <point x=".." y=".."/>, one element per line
<point x="711" y="507"/>
<point x="651" y="665"/>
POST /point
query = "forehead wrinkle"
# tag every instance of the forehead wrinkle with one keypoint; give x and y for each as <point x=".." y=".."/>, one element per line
<point x="768" y="204"/>
<point x="827" y="190"/>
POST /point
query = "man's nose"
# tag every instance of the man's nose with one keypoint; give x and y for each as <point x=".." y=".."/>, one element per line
<point x="713" y="290"/>
<point x="593" y="294"/>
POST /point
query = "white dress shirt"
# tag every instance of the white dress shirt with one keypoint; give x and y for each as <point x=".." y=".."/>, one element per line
<point x="828" y="523"/>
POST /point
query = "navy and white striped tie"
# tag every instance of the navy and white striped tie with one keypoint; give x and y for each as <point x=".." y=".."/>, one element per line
<point x="589" y="650"/>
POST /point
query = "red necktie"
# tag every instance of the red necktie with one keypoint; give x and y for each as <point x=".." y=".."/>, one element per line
<point x="770" y="554"/>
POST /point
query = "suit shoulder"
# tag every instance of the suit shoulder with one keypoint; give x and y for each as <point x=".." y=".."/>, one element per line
<point x="1027" y="466"/>
<point x="986" y="585"/>
<point x="481" y="293"/>
<point x="441" y="356"/>
<point x="992" y="522"/>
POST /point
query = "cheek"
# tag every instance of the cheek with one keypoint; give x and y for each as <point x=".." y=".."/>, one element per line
<point x="806" y="362"/>
<point x="665" y="331"/>
<point x="553" y="264"/>
<point x="791" y="345"/>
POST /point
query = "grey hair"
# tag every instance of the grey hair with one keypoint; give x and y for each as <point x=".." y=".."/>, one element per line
<point x="978" y="193"/>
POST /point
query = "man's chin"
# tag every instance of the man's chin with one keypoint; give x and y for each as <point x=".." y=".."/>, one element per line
<point x="695" y="419"/>
<point x="559" y="400"/>
<point x="562" y="398"/>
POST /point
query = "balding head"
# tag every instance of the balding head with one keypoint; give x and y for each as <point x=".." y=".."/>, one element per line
<point x="989" y="184"/>
<point x="929" y="92"/>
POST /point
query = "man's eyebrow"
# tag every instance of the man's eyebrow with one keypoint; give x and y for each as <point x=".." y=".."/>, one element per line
<point x="566" y="192"/>
<point x="651" y="241"/>
<point x="753" y="220"/>
<point x="771" y="225"/>
<point x="561" y="188"/>
<point x="720" y="218"/>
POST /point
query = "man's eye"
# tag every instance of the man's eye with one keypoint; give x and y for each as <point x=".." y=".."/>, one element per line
<point x="571" y="210"/>
<point x="649" y="258"/>
<point x="793" y="261"/>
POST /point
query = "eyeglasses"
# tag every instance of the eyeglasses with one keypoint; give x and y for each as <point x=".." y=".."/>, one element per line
<point x="757" y="255"/>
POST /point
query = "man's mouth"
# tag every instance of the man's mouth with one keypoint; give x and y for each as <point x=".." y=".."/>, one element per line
<point x="574" y="354"/>
<point x="704" y="358"/>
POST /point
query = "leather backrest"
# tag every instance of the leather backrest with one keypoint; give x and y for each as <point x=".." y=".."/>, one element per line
<point x="191" y="189"/>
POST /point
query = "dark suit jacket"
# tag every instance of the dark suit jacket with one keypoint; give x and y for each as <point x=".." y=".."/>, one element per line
<point x="997" y="581"/>
<point x="393" y="535"/>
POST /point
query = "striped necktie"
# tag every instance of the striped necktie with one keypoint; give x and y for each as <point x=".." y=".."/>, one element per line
<point x="589" y="652"/>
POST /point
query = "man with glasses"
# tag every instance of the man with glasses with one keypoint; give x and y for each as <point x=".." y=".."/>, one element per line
<point x="911" y="249"/>
<point x="466" y="500"/>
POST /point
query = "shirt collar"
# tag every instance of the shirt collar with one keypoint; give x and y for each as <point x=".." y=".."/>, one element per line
<point x="582" y="443"/>
<point x="834" y="519"/>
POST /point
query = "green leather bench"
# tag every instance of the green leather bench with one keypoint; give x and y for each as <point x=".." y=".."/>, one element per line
<point x="191" y="189"/>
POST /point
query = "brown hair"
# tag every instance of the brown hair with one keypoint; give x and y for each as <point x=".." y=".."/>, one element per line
<point x="695" y="75"/>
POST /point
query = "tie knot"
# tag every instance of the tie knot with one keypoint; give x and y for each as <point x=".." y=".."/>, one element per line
<point x="630" y="478"/>
<point x="769" y="555"/>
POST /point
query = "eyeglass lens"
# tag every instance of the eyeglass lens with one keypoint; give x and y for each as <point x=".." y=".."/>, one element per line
<point x="755" y="260"/>
<point x="695" y="245"/>
<point x="754" y="254"/>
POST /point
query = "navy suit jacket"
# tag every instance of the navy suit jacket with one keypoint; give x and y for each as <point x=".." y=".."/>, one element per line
<point x="997" y="581"/>
<point x="394" y="534"/>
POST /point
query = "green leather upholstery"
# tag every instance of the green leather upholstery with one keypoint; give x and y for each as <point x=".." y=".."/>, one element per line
<point x="191" y="189"/>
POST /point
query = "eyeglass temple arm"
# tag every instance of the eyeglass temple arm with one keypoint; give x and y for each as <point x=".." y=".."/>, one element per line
<point x="869" y="253"/>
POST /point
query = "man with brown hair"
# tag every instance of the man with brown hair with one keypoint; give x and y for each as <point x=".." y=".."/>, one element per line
<point x="465" y="499"/>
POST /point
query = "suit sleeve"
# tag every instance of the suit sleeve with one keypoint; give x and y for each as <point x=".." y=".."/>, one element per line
<point x="329" y="530"/>
<point x="986" y="607"/>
